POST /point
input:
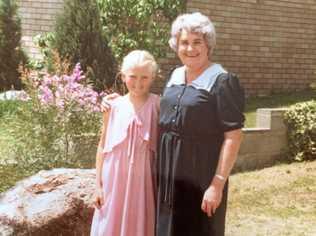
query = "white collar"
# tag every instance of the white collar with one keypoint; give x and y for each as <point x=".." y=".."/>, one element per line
<point x="204" y="81"/>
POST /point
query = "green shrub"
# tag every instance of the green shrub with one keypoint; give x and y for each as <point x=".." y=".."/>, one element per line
<point x="301" y="122"/>
<point x="142" y="24"/>
<point x="58" y="125"/>
<point x="44" y="42"/>
<point x="8" y="107"/>
<point x="46" y="139"/>
<point x="11" y="54"/>
<point x="11" y="173"/>
<point x="78" y="37"/>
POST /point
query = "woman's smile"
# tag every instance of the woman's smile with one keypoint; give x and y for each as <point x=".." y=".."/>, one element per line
<point x="192" y="49"/>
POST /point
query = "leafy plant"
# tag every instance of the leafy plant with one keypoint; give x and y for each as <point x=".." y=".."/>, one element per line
<point x="301" y="122"/>
<point x="8" y="107"/>
<point x="44" y="42"/>
<point x="11" y="54"/>
<point x="145" y="24"/>
<point x="58" y="125"/>
<point x="78" y="37"/>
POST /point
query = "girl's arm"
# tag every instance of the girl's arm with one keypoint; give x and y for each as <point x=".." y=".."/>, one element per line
<point x="100" y="154"/>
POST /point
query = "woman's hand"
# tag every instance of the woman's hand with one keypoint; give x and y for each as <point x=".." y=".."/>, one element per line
<point x="213" y="195"/>
<point x="106" y="101"/>
<point x="212" y="198"/>
<point x="99" y="198"/>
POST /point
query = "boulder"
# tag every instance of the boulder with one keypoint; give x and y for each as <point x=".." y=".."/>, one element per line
<point x="53" y="202"/>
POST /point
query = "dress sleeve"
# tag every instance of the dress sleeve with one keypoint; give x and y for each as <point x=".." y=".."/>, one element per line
<point x="230" y="99"/>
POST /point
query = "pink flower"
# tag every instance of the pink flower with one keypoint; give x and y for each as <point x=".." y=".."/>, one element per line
<point x="45" y="95"/>
<point x="65" y="90"/>
<point x="23" y="96"/>
<point x="60" y="104"/>
<point x="77" y="73"/>
<point x="47" y="80"/>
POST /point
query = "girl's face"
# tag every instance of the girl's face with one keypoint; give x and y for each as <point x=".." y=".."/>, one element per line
<point x="138" y="80"/>
<point x="192" y="49"/>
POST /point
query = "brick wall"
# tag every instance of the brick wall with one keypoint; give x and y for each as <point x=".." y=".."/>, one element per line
<point x="37" y="16"/>
<point x="270" y="44"/>
<point x="265" y="144"/>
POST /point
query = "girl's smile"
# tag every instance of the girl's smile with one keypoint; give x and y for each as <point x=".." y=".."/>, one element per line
<point x="138" y="80"/>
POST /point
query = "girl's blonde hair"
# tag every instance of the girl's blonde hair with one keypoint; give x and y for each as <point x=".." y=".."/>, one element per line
<point x="137" y="58"/>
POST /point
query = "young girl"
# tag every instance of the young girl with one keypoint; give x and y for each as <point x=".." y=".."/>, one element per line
<point x="124" y="162"/>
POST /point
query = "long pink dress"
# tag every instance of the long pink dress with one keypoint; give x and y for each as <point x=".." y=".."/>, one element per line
<point x="128" y="171"/>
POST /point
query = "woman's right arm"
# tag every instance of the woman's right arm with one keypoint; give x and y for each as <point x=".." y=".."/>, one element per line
<point x="106" y="101"/>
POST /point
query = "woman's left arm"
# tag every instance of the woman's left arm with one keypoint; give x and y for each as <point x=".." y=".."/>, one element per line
<point x="228" y="155"/>
<point x="230" y="99"/>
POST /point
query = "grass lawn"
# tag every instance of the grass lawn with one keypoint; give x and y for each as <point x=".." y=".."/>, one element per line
<point x="274" y="101"/>
<point x="279" y="200"/>
<point x="6" y="139"/>
<point x="9" y="173"/>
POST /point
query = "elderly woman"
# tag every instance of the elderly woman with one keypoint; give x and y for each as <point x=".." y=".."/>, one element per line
<point x="200" y="134"/>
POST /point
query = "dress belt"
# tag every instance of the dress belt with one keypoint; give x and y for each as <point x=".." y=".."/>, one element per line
<point x="195" y="136"/>
<point x="169" y="168"/>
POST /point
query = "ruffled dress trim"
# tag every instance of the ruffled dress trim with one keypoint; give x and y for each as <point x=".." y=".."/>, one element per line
<point x="124" y="120"/>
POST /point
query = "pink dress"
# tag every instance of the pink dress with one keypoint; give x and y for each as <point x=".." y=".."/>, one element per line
<point x="127" y="174"/>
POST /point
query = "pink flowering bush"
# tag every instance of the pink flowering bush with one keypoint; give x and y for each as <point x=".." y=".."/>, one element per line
<point x="67" y="92"/>
<point x="59" y="123"/>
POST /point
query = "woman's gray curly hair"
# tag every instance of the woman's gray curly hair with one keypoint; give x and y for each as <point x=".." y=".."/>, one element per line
<point x="196" y="23"/>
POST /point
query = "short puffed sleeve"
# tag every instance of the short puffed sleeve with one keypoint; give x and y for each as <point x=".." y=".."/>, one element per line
<point x="230" y="101"/>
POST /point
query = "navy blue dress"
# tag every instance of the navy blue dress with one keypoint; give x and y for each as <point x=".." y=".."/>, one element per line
<point x="193" y="119"/>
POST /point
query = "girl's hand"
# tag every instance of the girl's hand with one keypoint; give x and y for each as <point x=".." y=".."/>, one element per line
<point x="211" y="199"/>
<point x="106" y="101"/>
<point x="98" y="202"/>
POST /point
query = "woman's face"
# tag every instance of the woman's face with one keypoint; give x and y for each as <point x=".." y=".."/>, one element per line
<point x="192" y="49"/>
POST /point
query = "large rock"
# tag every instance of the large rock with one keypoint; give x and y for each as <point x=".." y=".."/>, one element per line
<point x="55" y="202"/>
